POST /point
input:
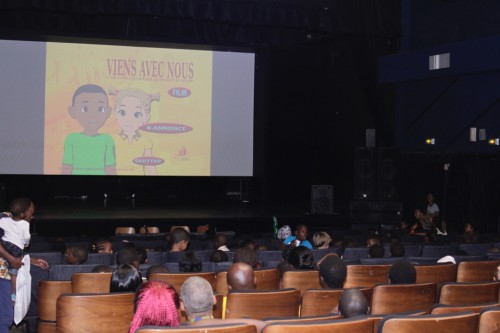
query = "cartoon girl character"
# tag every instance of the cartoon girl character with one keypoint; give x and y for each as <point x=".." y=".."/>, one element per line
<point x="133" y="110"/>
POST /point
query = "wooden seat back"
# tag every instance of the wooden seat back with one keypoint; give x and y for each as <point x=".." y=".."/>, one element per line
<point x="439" y="274"/>
<point x="185" y="227"/>
<point x="221" y="286"/>
<point x="358" y="325"/>
<point x="149" y="230"/>
<point x="201" y="229"/>
<point x="90" y="283"/>
<point x="476" y="271"/>
<point x="398" y="298"/>
<point x="463" y="322"/>
<point x="223" y="328"/>
<point x="277" y="320"/>
<point x="469" y="293"/>
<point x="262" y="304"/>
<point x="78" y="313"/>
<point x="177" y="279"/>
<point x="489" y="320"/>
<point x="476" y="308"/>
<point x="317" y="302"/>
<point x="267" y="279"/>
<point x="48" y="292"/>
<point x="378" y="318"/>
<point x="360" y="276"/>
<point x="301" y="280"/>
<point x="124" y="231"/>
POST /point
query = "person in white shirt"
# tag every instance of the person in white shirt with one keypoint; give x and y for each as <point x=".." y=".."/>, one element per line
<point x="15" y="231"/>
<point x="432" y="207"/>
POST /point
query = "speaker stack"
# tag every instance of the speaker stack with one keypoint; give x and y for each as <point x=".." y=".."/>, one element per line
<point x="376" y="186"/>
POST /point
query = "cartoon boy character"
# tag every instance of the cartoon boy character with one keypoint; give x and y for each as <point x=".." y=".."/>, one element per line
<point x="133" y="110"/>
<point x="89" y="152"/>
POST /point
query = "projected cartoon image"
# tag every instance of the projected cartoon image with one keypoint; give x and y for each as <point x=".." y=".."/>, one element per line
<point x="134" y="148"/>
<point x="89" y="152"/>
<point x="142" y="111"/>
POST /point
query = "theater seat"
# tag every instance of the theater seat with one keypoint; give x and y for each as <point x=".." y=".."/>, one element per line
<point x="469" y="293"/>
<point x="78" y="313"/>
<point x="359" y="325"/>
<point x="261" y="304"/>
<point x="223" y="328"/>
<point x="462" y="322"/>
<point x="397" y="298"/>
<point x="489" y="320"/>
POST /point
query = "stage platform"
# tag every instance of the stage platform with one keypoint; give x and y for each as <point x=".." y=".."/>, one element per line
<point x="81" y="217"/>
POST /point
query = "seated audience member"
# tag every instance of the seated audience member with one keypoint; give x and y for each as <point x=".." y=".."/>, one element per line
<point x="179" y="240"/>
<point x="250" y="243"/>
<point x="240" y="277"/>
<point x="401" y="230"/>
<point x="220" y="242"/>
<point x="348" y="242"/>
<point x="59" y="245"/>
<point x="102" y="269"/>
<point x="496" y="274"/>
<point x="101" y="245"/>
<point x="156" y="304"/>
<point x="422" y="225"/>
<point x="402" y="272"/>
<point x="285" y="266"/>
<point x="373" y="239"/>
<point x="246" y="255"/>
<point x="125" y="278"/>
<point x="190" y="263"/>
<point x="300" y="238"/>
<point x="76" y="255"/>
<point x="376" y="251"/>
<point x="128" y="255"/>
<point x="337" y="241"/>
<point x="397" y="250"/>
<point x="469" y="236"/>
<point x="197" y="300"/>
<point x="301" y="257"/>
<point x="321" y="240"/>
<point x="353" y="303"/>
<point x="332" y="271"/>
<point x="153" y="269"/>
<point x="218" y="256"/>
<point x="262" y="247"/>
<point x="432" y="207"/>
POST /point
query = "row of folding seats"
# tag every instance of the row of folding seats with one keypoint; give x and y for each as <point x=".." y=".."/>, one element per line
<point x="481" y="271"/>
<point x="150" y="242"/>
<point x="384" y="299"/>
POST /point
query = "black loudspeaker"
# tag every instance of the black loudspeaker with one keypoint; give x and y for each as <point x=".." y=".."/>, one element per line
<point x="376" y="172"/>
<point x="365" y="173"/>
<point x="375" y="212"/>
<point x="388" y="174"/>
<point x="321" y="199"/>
